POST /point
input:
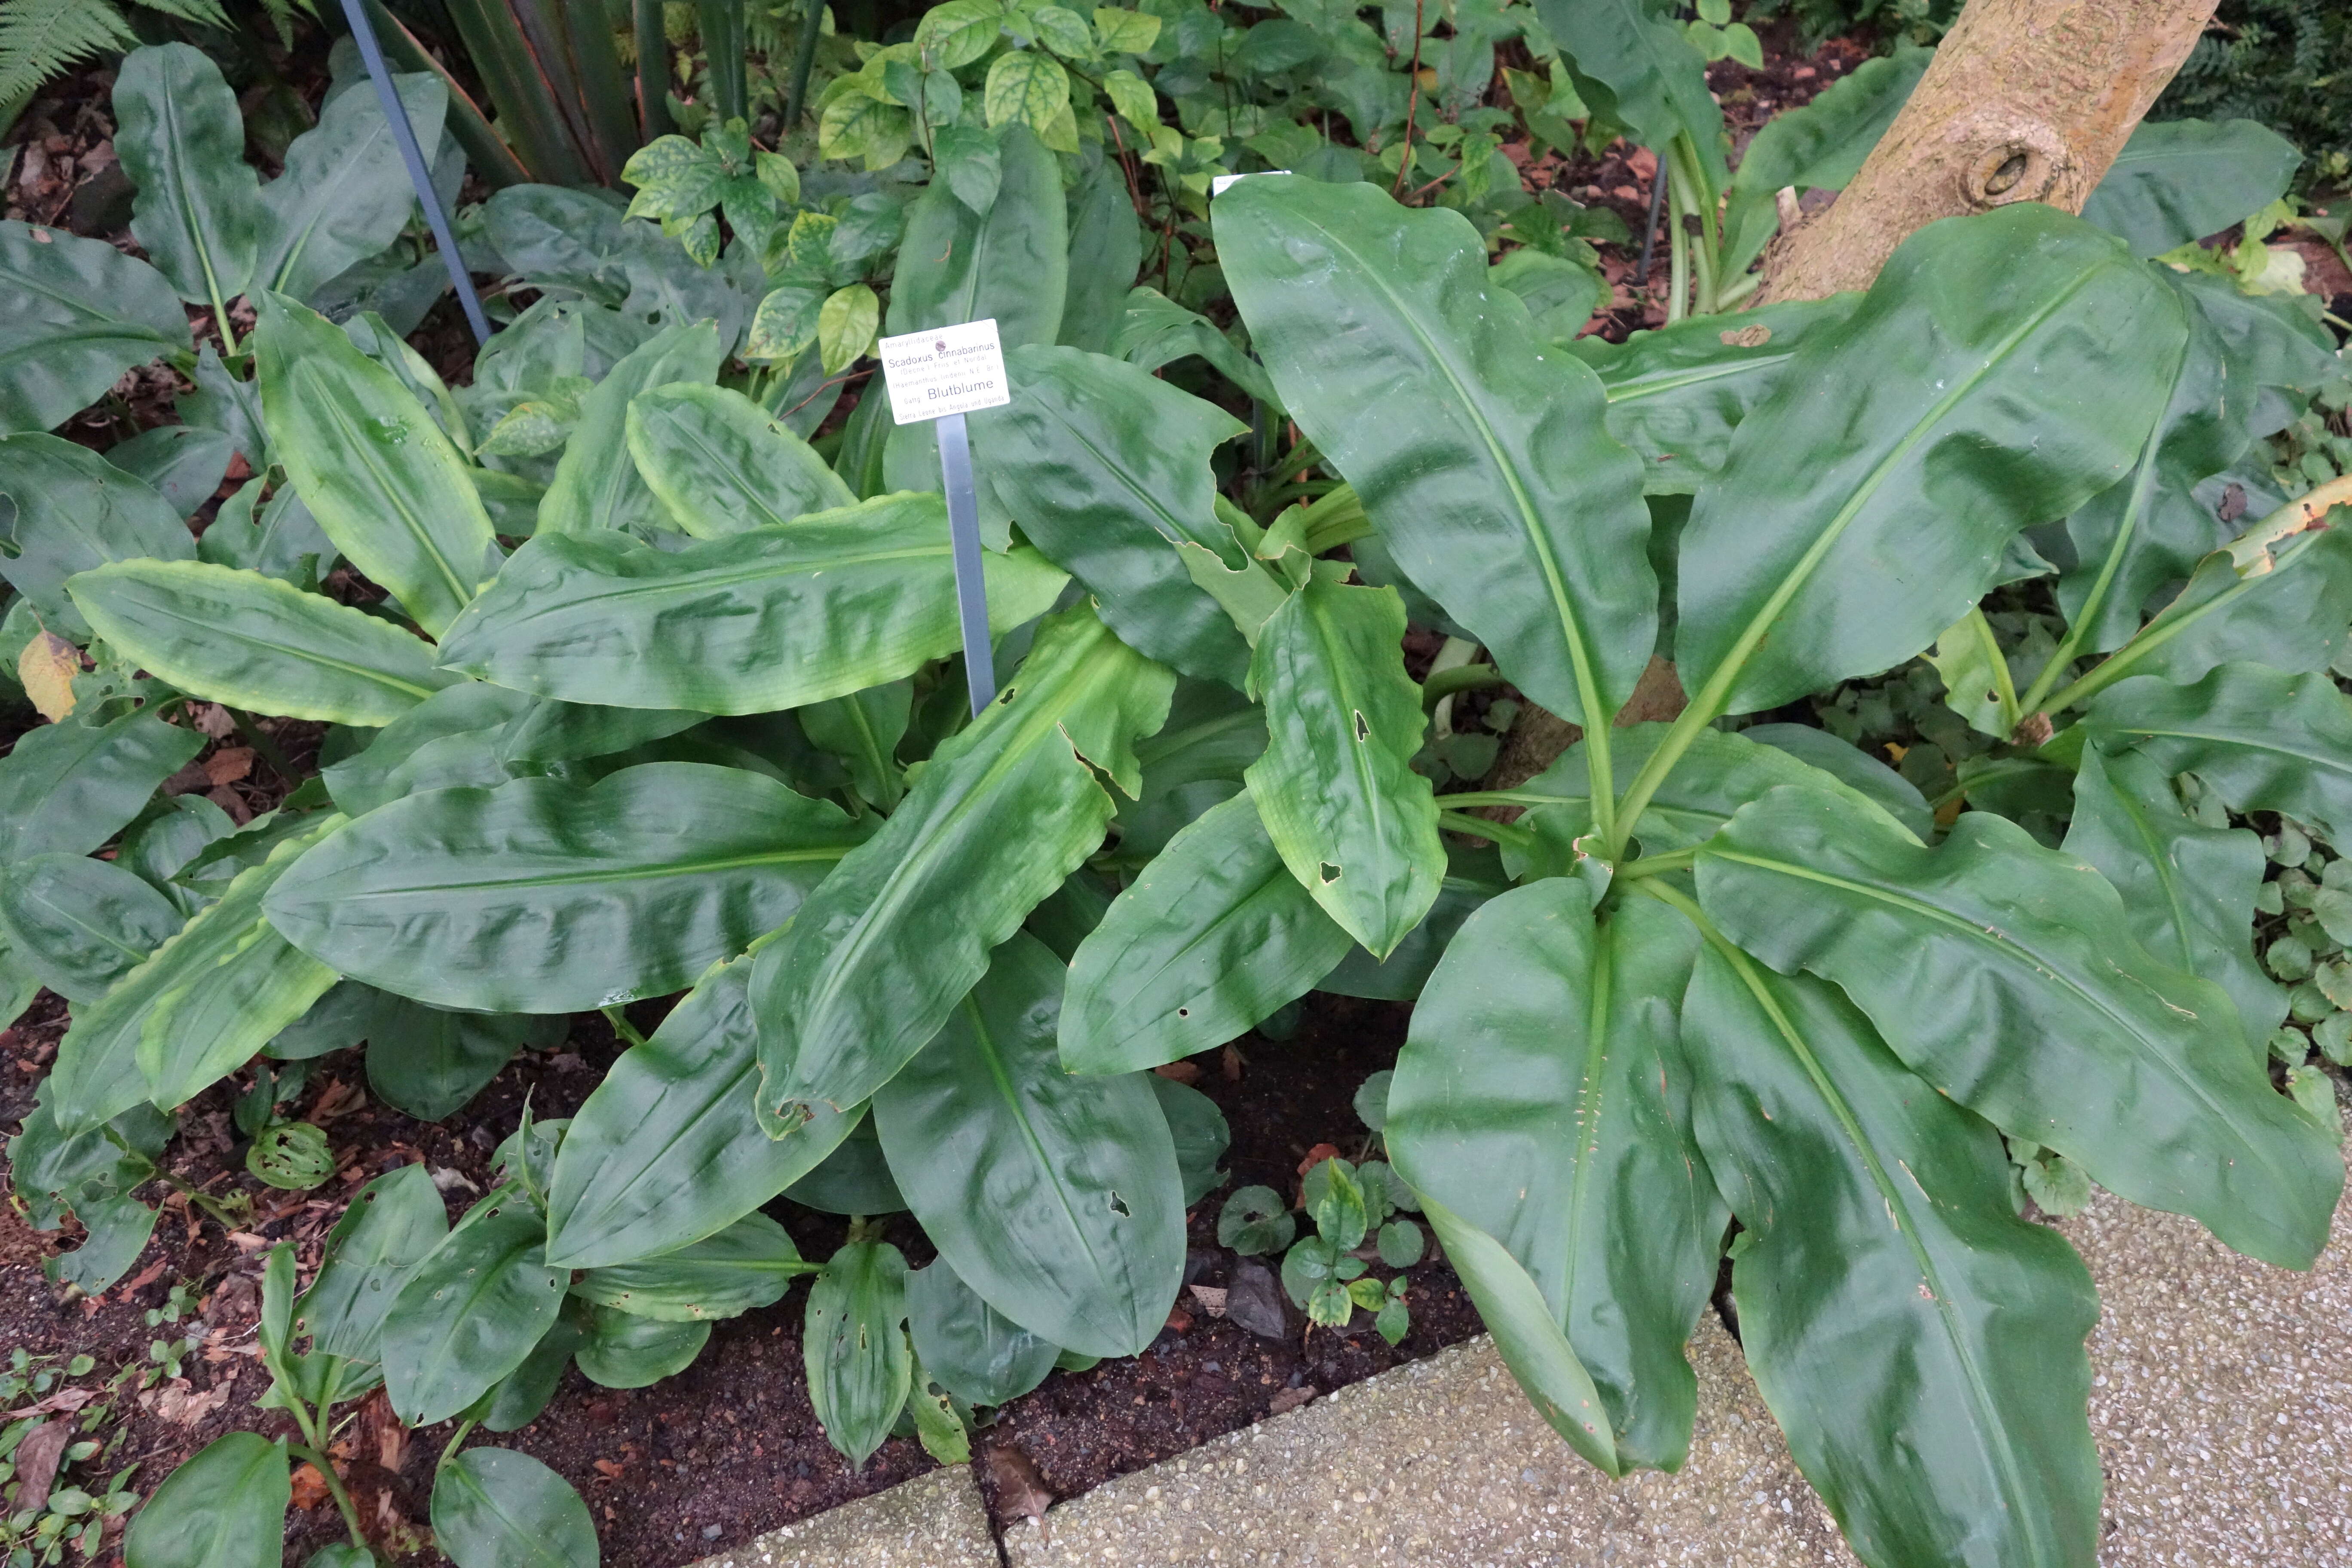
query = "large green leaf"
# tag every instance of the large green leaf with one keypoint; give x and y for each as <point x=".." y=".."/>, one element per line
<point x="258" y="644"/>
<point x="1011" y="264"/>
<point x="1648" y="76"/>
<point x="374" y="468"/>
<point x="75" y="511"/>
<point x="2288" y="610"/>
<point x="456" y="736"/>
<point x="970" y="1349"/>
<point x="1354" y="822"/>
<point x="73" y="785"/>
<point x="723" y="464"/>
<point x="81" y="924"/>
<point x="1474" y="874"/>
<point x="199" y="1008"/>
<point x="470" y="1310"/>
<point x="1106" y="253"/>
<point x="667" y="1151"/>
<point x="1920" y="1345"/>
<point x="226" y="1507"/>
<point x="2006" y="975"/>
<point x="596" y="483"/>
<point x="2177" y="181"/>
<point x="1853" y="522"/>
<point x="859" y="1365"/>
<point x="344" y="195"/>
<point x="392" y="1222"/>
<point x="1818" y="146"/>
<point x="1054" y="1197"/>
<point x="543" y="895"/>
<point x="429" y="1062"/>
<point x="1543" y="1097"/>
<point x="750" y="1264"/>
<point x="74" y="315"/>
<point x="2267" y="740"/>
<point x="2188" y="889"/>
<point x="884" y="951"/>
<point x="622" y="1350"/>
<point x="1106" y="469"/>
<point x="198" y="212"/>
<point x="1479" y="453"/>
<point x="1209" y="940"/>
<point x="1677" y="393"/>
<point x="771" y="617"/>
<point x="493" y="1508"/>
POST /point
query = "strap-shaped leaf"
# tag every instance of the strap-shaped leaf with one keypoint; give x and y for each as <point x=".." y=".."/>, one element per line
<point x="667" y="1150"/>
<point x="493" y="1508"/>
<point x="75" y="510"/>
<point x="1354" y="822"/>
<point x="860" y="1366"/>
<point x="2006" y="975"/>
<point x="454" y="737"/>
<point x="470" y="1310"/>
<point x="621" y="1349"/>
<point x="2267" y="740"/>
<point x="729" y="1272"/>
<point x="344" y="195"/>
<point x="1856" y="518"/>
<point x="392" y="1222"/>
<point x="231" y="980"/>
<point x="542" y="896"/>
<point x="1920" y="1345"/>
<point x="182" y="141"/>
<point x="258" y="644"/>
<point x="1054" y="1197"/>
<point x="429" y="1062"/>
<point x="2287" y="610"/>
<point x="1010" y="263"/>
<point x="1210" y="939"/>
<point x="2177" y="181"/>
<point x="721" y="464"/>
<point x="81" y="924"/>
<point x="212" y="1511"/>
<point x="884" y="951"/>
<point x="1543" y="1098"/>
<point x="597" y="484"/>
<point x="1479" y="452"/>
<point x="73" y="785"/>
<point x="374" y="468"/>
<point x="75" y="314"/>
<point x="974" y="1351"/>
<point x="1106" y="469"/>
<point x="772" y="618"/>
<point x="2188" y="889"/>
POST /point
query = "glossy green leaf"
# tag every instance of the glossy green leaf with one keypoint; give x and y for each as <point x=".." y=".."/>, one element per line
<point x="1153" y="330"/>
<point x="1200" y="1133"/>
<point x="2288" y="609"/>
<point x="854" y="1179"/>
<point x="2005" y="974"/>
<point x="1474" y="874"/>
<point x="1640" y="67"/>
<point x="428" y="1063"/>
<point x="1920" y="1345"/>
<point x="2177" y="181"/>
<point x="2265" y="739"/>
<point x="75" y="511"/>
<point x="2188" y="889"/>
<point x="1105" y="252"/>
<point x="1354" y="822"/>
<point x="667" y="1151"/>
<point x="1543" y="1098"/>
<point x="392" y="1222"/>
<point x="1012" y="265"/>
<point x="860" y="1368"/>
<point x="374" y="468"/>
<point x="198" y="1008"/>
<point x="470" y="1310"/>
<point x="1479" y="453"/>
<point x="344" y="195"/>
<point x="1209" y="940"/>
<point x="198" y="213"/>
<point x="226" y="1507"/>
<point x="553" y="732"/>
<point x="1818" y="145"/>
<point x="1851" y="524"/>
<point x="81" y="924"/>
<point x="256" y="644"/>
<point x="750" y="1264"/>
<point x="523" y="1393"/>
<point x="863" y="731"/>
<point x="493" y="1508"/>
<point x="456" y="736"/>
<point x="70" y="786"/>
<point x="721" y="464"/>
<point x="1106" y="469"/>
<point x="621" y="1349"/>
<point x="1527" y="1336"/>
<point x="542" y="896"/>
<point x="1055" y="1197"/>
<point x="1851" y="766"/>
<point x="75" y="314"/>
<point x="1677" y="393"/>
<point x="881" y="954"/>
<point x="769" y="618"/>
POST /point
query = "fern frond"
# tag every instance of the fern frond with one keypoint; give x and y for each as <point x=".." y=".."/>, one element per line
<point x="39" y="38"/>
<point x="203" y="12"/>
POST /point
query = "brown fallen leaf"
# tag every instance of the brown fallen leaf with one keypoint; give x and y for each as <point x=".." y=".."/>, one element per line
<point x="310" y="1487"/>
<point x="1179" y="1321"/>
<point x="610" y="1468"/>
<point x="1212" y="1299"/>
<point x="1286" y="1400"/>
<point x="1021" y="1491"/>
<point x="178" y="1403"/>
<point x="45" y="670"/>
<point x="212" y="719"/>
<point x="1180" y="1072"/>
<point x="64" y="1401"/>
<point x="36" y="1456"/>
<point x="229" y="765"/>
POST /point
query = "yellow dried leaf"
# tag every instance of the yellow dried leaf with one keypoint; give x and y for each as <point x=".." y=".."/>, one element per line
<point x="47" y="667"/>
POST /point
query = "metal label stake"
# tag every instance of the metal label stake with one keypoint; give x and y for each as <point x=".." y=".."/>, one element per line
<point x="404" y="136"/>
<point x="940" y="377"/>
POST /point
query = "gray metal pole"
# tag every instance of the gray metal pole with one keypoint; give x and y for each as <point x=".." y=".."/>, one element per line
<point x="963" y="535"/>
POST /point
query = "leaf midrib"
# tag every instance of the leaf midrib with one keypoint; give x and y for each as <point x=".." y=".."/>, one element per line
<point x="606" y="874"/>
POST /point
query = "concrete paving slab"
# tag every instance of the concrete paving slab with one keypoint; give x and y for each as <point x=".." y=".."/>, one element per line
<point x="936" y="1521"/>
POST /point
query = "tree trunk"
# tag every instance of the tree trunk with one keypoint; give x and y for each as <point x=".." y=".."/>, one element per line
<point x="2027" y="100"/>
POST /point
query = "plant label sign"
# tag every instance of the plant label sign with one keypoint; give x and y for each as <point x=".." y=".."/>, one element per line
<point x="948" y="370"/>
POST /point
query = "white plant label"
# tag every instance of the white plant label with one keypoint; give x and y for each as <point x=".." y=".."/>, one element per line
<point x="1217" y="186"/>
<point x="948" y="370"/>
